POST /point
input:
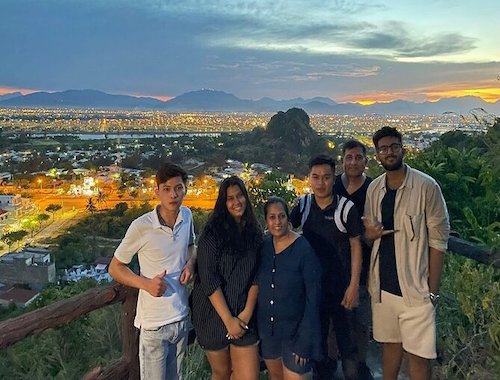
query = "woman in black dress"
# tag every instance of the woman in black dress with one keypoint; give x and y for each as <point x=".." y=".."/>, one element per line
<point x="224" y="293"/>
<point x="288" y="301"/>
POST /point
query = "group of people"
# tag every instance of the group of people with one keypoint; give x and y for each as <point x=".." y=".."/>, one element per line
<point x="299" y="301"/>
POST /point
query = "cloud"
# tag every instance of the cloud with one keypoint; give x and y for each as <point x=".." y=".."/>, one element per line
<point x="439" y="45"/>
<point x="396" y="39"/>
<point x="277" y="48"/>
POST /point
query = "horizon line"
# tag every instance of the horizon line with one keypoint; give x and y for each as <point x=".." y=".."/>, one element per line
<point x="489" y="95"/>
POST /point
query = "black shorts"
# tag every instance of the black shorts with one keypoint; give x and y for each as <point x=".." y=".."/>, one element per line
<point x="249" y="339"/>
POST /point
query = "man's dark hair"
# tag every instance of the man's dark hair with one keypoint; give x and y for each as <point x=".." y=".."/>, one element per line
<point x="351" y="144"/>
<point x="322" y="159"/>
<point x="386" y="132"/>
<point x="169" y="170"/>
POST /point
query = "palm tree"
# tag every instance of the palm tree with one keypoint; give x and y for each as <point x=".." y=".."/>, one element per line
<point x="91" y="206"/>
<point x="101" y="197"/>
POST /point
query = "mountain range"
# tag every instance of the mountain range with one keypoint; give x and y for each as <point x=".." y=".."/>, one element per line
<point x="218" y="101"/>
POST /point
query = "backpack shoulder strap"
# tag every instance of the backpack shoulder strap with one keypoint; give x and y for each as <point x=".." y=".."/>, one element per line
<point x="305" y="207"/>
<point x="344" y="205"/>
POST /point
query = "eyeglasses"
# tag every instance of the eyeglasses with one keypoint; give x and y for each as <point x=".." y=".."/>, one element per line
<point x="384" y="149"/>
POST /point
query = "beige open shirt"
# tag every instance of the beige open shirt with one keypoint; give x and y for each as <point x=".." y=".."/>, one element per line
<point x="421" y="220"/>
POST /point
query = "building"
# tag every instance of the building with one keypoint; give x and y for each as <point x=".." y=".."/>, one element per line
<point x="19" y="297"/>
<point x="16" y="206"/>
<point x="98" y="272"/>
<point x="32" y="266"/>
<point x="5" y="178"/>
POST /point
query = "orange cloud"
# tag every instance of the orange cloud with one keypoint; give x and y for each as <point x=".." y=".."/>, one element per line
<point x="9" y="90"/>
<point x="159" y="97"/>
<point x="162" y="98"/>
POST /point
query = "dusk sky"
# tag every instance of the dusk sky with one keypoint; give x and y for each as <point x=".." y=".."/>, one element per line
<point x="352" y="51"/>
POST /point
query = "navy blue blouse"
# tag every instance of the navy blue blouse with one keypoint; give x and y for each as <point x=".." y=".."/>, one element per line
<point x="289" y="297"/>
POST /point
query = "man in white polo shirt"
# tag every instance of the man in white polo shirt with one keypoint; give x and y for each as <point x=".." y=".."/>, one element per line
<point x="163" y="239"/>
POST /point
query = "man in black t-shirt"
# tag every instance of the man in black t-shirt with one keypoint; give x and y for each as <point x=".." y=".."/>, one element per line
<point x="352" y="184"/>
<point x="333" y="229"/>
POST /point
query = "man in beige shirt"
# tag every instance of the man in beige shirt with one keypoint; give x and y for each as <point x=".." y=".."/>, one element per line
<point x="407" y="220"/>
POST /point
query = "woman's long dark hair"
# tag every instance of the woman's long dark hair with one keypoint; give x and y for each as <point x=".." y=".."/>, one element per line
<point x="237" y="237"/>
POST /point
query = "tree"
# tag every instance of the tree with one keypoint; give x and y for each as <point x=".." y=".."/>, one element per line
<point x="101" y="197"/>
<point x="42" y="218"/>
<point x="469" y="178"/>
<point x="90" y="207"/>
<point x="53" y="208"/>
<point x="14" y="237"/>
<point x="30" y="224"/>
<point x="274" y="183"/>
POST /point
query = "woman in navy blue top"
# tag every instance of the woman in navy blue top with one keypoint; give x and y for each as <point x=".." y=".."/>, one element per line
<point x="289" y="295"/>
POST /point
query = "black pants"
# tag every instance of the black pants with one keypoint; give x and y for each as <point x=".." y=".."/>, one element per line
<point x="339" y="321"/>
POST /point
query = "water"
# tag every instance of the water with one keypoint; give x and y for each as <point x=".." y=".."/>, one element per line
<point x="123" y="136"/>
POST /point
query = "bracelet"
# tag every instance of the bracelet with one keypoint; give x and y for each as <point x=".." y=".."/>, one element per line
<point x="434" y="297"/>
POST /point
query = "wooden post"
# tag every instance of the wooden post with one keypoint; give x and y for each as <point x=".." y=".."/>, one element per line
<point x="130" y="338"/>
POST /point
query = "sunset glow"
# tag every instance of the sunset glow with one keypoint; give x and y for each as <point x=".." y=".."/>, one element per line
<point x="162" y="98"/>
<point x="159" y="97"/>
<point x="487" y="94"/>
<point x="491" y="95"/>
<point x="10" y="90"/>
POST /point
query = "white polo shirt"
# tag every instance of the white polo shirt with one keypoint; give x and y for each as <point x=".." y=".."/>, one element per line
<point x="159" y="248"/>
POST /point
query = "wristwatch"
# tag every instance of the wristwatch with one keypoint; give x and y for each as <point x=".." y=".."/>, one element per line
<point x="434" y="298"/>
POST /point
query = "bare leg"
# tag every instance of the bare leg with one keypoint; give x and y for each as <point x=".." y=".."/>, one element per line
<point x="245" y="362"/>
<point x="419" y="367"/>
<point x="289" y="375"/>
<point x="220" y="362"/>
<point x="391" y="361"/>
<point x="275" y="368"/>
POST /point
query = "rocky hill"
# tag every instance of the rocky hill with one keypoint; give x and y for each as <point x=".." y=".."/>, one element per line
<point x="288" y="141"/>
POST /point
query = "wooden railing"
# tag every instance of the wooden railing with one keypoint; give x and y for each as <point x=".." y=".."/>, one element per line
<point x="65" y="311"/>
<point x="473" y="251"/>
<point x="127" y="367"/>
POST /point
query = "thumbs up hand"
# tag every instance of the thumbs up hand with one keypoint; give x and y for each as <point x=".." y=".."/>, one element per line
<point x="157" y="285"/>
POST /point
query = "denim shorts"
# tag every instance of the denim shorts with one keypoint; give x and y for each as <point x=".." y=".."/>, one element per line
<point x="281" y="349"/>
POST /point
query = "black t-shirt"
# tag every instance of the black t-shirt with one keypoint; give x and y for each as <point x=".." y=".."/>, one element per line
<point x="358" y="198"/>
<point x="330" y="244"/>
<point x="387" y="265"/>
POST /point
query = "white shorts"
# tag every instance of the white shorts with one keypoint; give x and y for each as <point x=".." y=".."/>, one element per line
<point x="414" y="327"/>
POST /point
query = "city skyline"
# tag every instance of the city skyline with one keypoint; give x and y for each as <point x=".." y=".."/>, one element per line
<point x="350" y="51"/>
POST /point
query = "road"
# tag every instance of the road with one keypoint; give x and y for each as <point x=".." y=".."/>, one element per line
<point x="74" y="208"/>
<point x="50" y="230"/>
<point x="43" y="199"/>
